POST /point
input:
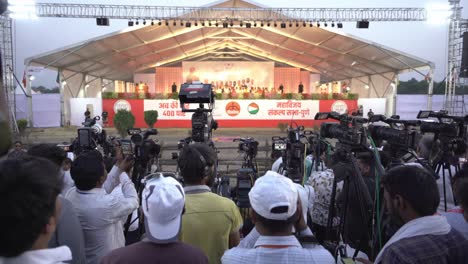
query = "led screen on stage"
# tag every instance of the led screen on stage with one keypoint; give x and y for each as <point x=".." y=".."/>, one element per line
<point x="230" y="74"/>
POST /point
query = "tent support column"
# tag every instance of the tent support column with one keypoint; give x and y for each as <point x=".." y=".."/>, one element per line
<point x="431" y="88"/>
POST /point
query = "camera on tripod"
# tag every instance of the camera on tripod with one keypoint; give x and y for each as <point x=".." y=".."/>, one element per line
<point x="139" y="145"/>
<point x="349" y="131"/>
<point x="247" y="174"/>
<point x="450" y="130"/>
<point x="202" y="120"/>
<point x="399" y="134"/>
<point x="90" y="136"/>
<point x="292" y="150"/>
<point x="249" y="146"/>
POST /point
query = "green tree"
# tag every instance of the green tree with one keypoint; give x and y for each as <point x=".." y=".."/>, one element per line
<point x="123" y="120"/>
<point x="151" y="117"/>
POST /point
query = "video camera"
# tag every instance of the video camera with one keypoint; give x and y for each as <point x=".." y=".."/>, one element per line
<point x="399" y="134"/>
<point x="450" y="130"/>
<point x="248" y="145"/>
<point x="90" y="136"/>
<point x="292" y="149"/>
<point x="202" y="121"/>
<point x="349" y="132"/>
<point x="139" y="146"/>
<point x="247" y="175"/>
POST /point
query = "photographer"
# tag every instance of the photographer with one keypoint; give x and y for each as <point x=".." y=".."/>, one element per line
<point x="210" y="222"/>
<point x="99" y="212"/>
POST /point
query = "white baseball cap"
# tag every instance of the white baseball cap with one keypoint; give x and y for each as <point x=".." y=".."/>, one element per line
<point x="271" y="191"/>
<point x="163" y="201"/>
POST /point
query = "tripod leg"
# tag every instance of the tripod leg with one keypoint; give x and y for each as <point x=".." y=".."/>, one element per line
<point x="443" y="186"/>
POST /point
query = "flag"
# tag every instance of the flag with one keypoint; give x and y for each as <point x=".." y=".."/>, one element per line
<point x="24" y="79"/>
<point x="58" y="77"/>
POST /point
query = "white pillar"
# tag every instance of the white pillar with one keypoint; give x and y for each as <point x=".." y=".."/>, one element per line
<point x="29" y="97"/>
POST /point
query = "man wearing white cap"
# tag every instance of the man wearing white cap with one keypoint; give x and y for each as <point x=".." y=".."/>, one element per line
<point x="163" y="202"/>
<point x="275" y="211"/>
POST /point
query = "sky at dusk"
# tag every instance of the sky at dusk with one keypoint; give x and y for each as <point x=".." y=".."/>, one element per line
<point x="429" y="42"/>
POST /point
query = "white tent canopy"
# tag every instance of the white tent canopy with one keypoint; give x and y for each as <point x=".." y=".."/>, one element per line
<point x="334" y="55"/>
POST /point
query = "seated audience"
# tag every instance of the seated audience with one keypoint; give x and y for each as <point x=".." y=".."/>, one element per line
<point x="411" y="197"/>
<point x="275" y="211"/>
<point x="163" y="205"/>
<point x="99" y="212"/>
<point x="462" y="196"/>
<point x="210" y="222"/>
<point x="18" y="151"/>
<point x="29" y="189"/>
<point x="68" y="232"/>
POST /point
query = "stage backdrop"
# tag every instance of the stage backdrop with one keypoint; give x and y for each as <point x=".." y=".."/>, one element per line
<point x="232" y="113"/>
<point x="250" y="73"/>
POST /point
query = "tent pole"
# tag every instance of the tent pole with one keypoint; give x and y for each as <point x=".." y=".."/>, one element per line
<point x="431" y="88"/>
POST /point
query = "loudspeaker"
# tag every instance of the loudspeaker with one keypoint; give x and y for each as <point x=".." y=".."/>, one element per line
<point x="102" y="21"/>
<point x="362" y="24"/>
<point x="464" y="60"/>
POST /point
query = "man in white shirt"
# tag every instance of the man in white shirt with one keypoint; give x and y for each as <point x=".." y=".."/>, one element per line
<point x="99" y="212"/>
<point x="275" y="199"/>
<point x="29" y="187"/>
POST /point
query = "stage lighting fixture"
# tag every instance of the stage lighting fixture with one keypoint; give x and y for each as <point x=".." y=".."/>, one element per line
<point x="231" y="23"/>
<point x="268" y="24"/>
<point x="102" y="21"/>
<point x="275" y="24"/>
<point x="290" y="24"/>
<point x="209" y="23"/>
<point x="304" y="24"/>
<point x="196" y="23"/>
<point x="241" y="24"/>
<point x="261" y="24"/>
<point x="181" y="23"/>
<point x="216" y="24"/>
<point x="333" y="24"/>
<point x="248" y="25"/>
<point x="318" y="24"/>
<point x="167" y="23"/>
<point x="362" y="24"/>
<point x="339" y="25"/>
<point x="311" y="24"/>
<point x="225" y="24"/>
<point x="188" y="24"/>
<point x="203" y="23"/>
<point x="325" y="24"/>
<point x="283" y="25"/>
<point x="255" y="24"/>
<point x="297" y="24"/>
<point x="144" y="22"/>
<point x="137" y="22"/>
<point x="174" y="23"/>
<point x="130" y="23"/>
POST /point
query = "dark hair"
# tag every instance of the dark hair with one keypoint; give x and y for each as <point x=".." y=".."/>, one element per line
<point x="49" y="151"/>
<point x="67" y="161"/>
<point x="366" y="158"/>
<point x="416" y="185"/>
<point x="461" y="174"/>
<point x="17" y="141"/>
<point x="28" y="191"/>
<point x="191" y="165"/>
<point x="276" y="226"/>
<point x="87" y="169"/>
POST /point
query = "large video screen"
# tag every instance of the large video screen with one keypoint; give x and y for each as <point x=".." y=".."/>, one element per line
<point x="230" y="74"/>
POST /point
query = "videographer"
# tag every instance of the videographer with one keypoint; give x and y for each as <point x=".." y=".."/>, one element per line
<point x="456" y="216"/>
<point x="99" y="212"/>
<point x="210" y="222"/>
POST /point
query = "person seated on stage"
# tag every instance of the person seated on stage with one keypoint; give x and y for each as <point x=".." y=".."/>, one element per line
<point x="210" y="222"/>
<point x="29" y="189"/>
<point x="163" y="207"/>
<point x="68" y="232"/>
<point x="456" y="216"/>
<point x="18" y="151"/>
<point x="275" y="211"/>
<point x="411" y="197"/>
<point x="100" y="213"/>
